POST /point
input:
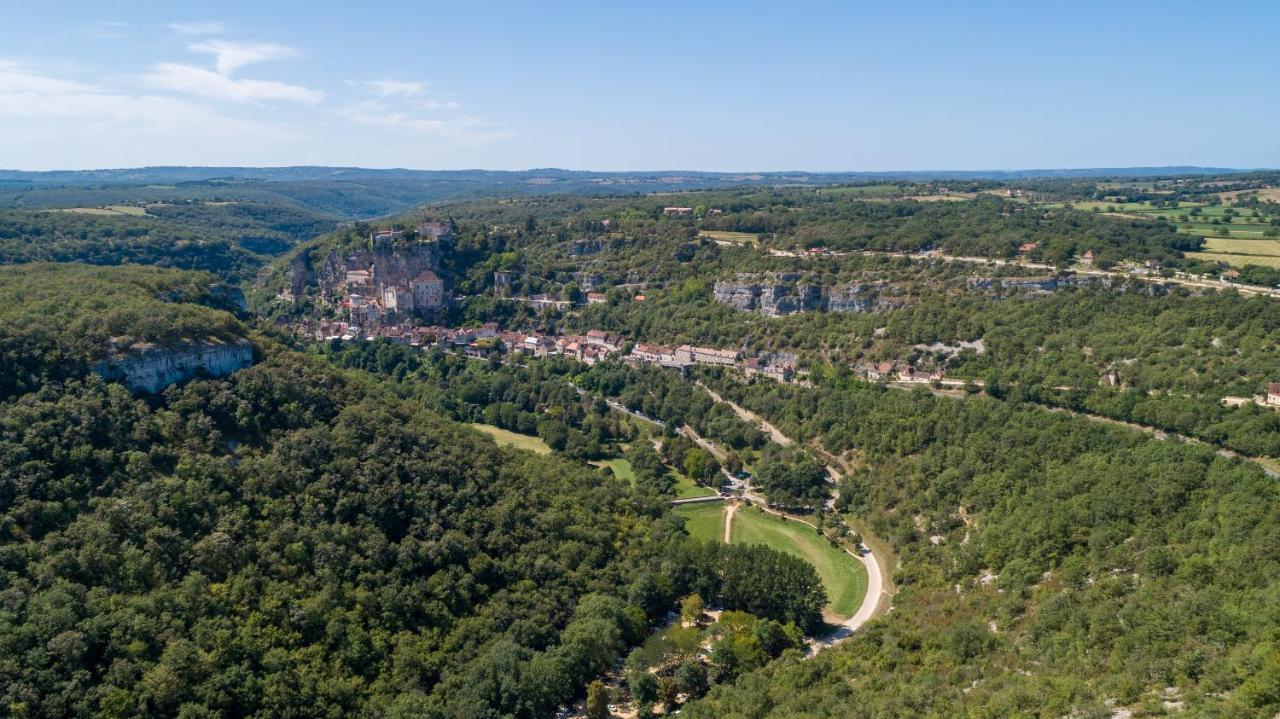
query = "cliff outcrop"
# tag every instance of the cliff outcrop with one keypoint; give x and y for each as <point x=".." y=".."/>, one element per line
<point x="785" y="294"/>
<point x="149" y="368"/>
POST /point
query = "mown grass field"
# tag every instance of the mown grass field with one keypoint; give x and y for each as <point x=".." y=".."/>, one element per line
<point x="737" y="238"/>
<point x="686" y="488"/>
<point x="108" y="210"/>
<point x="843" y="576"/>
<point x="621" y="469"/>
<point x="1244" y="247"/>
<point x="1237" y="260"/>
<point x="705" y="522"/>
<point x="514" y="439"/>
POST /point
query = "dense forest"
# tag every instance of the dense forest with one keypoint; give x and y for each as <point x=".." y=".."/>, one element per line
<point x="301" y="535"/>
<point x="1051" y="566"/>
<point x="323" y="534"/>
<point x="231" y="239"/>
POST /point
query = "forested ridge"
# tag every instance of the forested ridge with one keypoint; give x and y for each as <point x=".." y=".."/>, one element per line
<point x="1051" y="566"/>
<point x="231" y="239"/>
<point x="300" y="538"/>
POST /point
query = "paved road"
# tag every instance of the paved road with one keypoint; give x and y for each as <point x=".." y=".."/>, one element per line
<point x="877" y="600"/>
<point x="1156" y="279"/>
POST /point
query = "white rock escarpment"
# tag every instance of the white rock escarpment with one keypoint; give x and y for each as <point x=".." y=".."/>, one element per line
<point x="150" y="368"/>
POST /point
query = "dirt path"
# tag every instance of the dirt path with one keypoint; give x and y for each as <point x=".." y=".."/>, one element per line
<point x="751" y="417"/>
<point x="728" y="520"/>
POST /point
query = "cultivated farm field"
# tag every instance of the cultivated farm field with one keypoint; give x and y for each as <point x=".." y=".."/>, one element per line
<point x="1244" y="247"/>
<point x="1237" y="260"/>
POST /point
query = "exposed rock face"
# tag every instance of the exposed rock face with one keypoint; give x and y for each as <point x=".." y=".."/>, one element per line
<point x="150" y="368"/>
<point x="1037" y="285"/>
<point x="388" y="265"/>
<point x="784" y="294"/>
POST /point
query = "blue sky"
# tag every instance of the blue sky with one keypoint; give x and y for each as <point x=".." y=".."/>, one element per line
<point x="653" y="85"/>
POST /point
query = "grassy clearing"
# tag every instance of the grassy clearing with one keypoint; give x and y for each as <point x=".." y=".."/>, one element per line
<point x="1244" y="247"/>
<point x="1237" y="260"/>
<point x="621" y="469"/>
<point x="863" y="190"/>
<point x="1235" y="230"/>
<point x="843" y="576"/>
<point x="686" y="488"/>
<point x="705" y="522"/>
<point x="737" y="238"/>
<point x="513" y="439"/>
<point x="108" y="210"/>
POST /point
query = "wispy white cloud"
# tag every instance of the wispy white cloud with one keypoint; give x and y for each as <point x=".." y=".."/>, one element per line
<point x="205" y="27"/>
<point x="461" y="127"/>
<point x="203" y="82"/>
<point x="231" y="55"/>
<point x="396" y="88"/>
<point x="46" y="119"/>
<point x="218" y="84"/>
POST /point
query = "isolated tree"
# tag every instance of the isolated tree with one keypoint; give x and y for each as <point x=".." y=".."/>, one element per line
<point x="597" y="700"/>
<point x="691" y="609"/>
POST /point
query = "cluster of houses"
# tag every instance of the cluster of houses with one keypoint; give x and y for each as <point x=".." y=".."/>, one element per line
<point x="777" y="366"/>
<point x="368" y="303"/>
<point x="470" y="341"/>
<point x="898" y="371"/>
<point x="593" y="347"/>
<point x="372" y="293"/>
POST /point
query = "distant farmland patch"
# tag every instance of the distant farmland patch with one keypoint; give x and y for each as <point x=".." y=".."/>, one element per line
<point x="132" y="210"/>
<point x="735" y="238"/>
<point x="1269" y="248"/>
<point x="863" y="190"/>
<point x="1238" y="260"/>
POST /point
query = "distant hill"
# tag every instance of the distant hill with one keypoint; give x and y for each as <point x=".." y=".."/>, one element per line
<point x="178" y="174"/>
<point x="356" y="193"/>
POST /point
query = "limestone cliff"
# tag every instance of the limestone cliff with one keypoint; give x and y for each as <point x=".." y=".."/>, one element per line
<point x="149" y="368"/>
<point x="389" y="264"/>
<point x="784" y="294"/>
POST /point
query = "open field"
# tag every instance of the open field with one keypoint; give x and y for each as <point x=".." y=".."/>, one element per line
<point x="621" y="469"/>
<point x="513" y="439"/>
<point x="863" y="190"/>
<point x="1269" y="248"/>
<point x="108" y="210"/>
<point x="1269" y="193"/>
<point x="843" y="576"/>
<point x="1237" y="260"/>
<point x="737" y="238"/>
<point x="686" y="488"/>
<point x="705" y="521"/>
<point x="1235" y="230"/>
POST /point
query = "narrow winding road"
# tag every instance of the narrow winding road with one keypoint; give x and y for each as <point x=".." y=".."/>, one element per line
<point x="877" y="599"/>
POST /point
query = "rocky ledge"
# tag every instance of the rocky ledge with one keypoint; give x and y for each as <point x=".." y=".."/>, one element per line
<point x="149" y="368"/>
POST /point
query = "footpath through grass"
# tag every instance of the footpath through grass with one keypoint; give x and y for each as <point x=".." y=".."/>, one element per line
<point x="843" y="575"/>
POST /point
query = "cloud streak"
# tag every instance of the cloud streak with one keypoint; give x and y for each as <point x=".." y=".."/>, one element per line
<point x="192" y="80"/>
<point x="58" y="118"/>
<point x="231" y="56"/>
<point x="218" y="84"/>
<point x="206" y="27"/>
